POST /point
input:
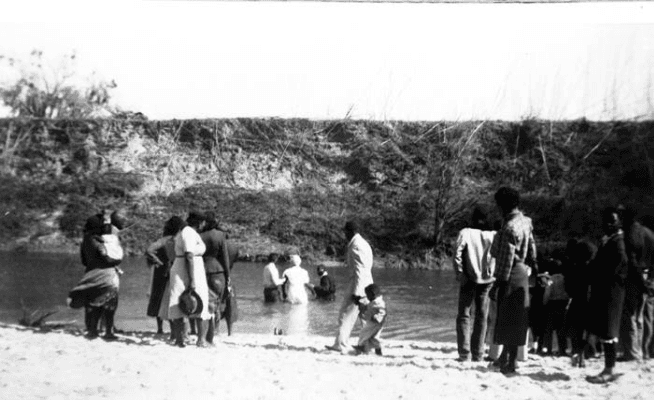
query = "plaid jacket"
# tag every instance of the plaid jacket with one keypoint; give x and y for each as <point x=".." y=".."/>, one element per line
<point x="514" y="242"/>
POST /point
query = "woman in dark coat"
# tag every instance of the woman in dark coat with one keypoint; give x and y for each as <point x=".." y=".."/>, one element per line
<point x="579" y="256"/>
<point x="607" y="292"/>
<point x="97" y="292"/>
<point x="218" y="263"/>
<point x="160" y="256"/>
<point x="514" y="249"/>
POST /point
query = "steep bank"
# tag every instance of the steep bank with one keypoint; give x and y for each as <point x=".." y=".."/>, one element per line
<point x="280" y="184"/>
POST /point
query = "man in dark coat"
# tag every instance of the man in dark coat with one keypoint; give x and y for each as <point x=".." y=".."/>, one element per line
<point x="607" y="291"/>
<point x="327" y="289"/>
<point x="639" y="242"/>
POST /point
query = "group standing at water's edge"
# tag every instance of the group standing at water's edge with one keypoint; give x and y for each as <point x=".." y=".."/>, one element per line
<point x="499" y="264"/>
<point x="604" y="297"/>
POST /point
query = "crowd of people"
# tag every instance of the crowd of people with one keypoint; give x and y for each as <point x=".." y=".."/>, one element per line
<point x="597" y="299"/>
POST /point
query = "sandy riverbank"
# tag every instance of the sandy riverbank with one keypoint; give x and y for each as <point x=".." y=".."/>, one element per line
<point x="62" y="364"/>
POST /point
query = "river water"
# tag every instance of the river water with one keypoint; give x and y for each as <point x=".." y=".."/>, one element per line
<point x="421" y="304"/>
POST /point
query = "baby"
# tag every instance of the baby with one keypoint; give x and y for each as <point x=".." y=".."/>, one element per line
<point x="373" y="314"/>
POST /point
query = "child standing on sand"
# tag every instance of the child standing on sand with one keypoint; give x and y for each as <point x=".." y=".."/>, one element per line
<point x="373" y="315"/>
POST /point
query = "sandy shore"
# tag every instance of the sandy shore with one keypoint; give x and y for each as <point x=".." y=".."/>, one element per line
<point x="62" y="364"/>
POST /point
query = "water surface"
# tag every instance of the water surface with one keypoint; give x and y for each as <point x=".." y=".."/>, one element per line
<point x="421" y="304"/>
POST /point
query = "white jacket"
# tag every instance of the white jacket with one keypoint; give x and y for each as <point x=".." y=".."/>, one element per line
<point x="359" y="262"/>
<point x="472" y="255"/>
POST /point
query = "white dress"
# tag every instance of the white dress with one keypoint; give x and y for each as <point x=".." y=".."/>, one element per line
<point x="186" y="241"/>
<point x="297" y="278"/>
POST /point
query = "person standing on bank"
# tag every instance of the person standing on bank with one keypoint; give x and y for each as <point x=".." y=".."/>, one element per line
<point x="607" y="292"/>
<point x="359" y="262"/>
<point x="514" y="249"/>
<point x="97" y="292"/>
<point x="639" y="244"/>
<point x="188" y="273"/>
<point x="474" y="268"/>
<point x="327" y="289"/>
<point x="271" y="280"/>
<point x="218" y="263"/>
<point x="579" y="257"/>
<point x="160" y="256"/>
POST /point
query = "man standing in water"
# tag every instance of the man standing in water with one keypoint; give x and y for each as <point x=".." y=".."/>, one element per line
<point x="359" y="262"/>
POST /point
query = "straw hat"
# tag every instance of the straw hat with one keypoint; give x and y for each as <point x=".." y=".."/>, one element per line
<point x="190" y="302"/>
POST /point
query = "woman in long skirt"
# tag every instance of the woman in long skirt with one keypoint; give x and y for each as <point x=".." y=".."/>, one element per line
<point x="187" y="273"/>
<point x="514" y="249"/>
<point x="160" y="256"/>
<point x="607" y="292"/>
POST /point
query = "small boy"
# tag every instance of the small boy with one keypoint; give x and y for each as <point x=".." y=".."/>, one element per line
<point x="373" y="315"/>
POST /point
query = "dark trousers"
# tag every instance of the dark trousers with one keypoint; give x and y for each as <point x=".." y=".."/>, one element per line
<point x="272" y="294"/>
<point x="631" y="329"/>
<point x="472" y="293"/>
<point x="555" y="317"/>
<point x="648" y="328"/>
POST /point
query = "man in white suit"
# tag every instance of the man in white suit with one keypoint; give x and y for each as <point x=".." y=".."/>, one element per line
<point x="359" y="262"/>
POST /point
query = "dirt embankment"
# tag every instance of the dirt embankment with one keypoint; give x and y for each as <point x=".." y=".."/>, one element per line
<point x="290" y="184"/>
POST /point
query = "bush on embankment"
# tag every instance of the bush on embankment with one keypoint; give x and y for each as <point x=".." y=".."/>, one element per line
<point x="277" y="184"/>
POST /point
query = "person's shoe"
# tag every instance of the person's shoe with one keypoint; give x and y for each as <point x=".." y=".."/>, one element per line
<point x="603" y="377"/>
<point x="499" y="363"/>
<point x="180" y="344"/>
<point x="92" y="335"/>
<point x="477" y="359"/>
<point x="379" y="352"/>
<point x="626" y="358"/>
<point x="508" y="369"/>
<point x="463" y="359"/>
<point x="359" y="349"/>
<point x="333" y="348"/>
<point x="110" y="337"/>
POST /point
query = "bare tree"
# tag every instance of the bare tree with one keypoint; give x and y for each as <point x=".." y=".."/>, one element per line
<point x="44" y="92"/>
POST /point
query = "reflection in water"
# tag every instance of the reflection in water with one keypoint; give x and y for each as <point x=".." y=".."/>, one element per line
<point x="421" y="304"/>
<point x="298" y="320"/>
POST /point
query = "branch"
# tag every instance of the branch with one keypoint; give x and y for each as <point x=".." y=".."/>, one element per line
<point x="542" y="153"/>
<point x="598" y="145"/>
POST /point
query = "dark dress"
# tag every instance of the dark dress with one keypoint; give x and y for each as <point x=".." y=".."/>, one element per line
<point x="607" y="289"/>
<point x="99" y="286"/>
<point x="160" y="255"/>
<point x="218" y="259"/>
<point x="577" y="285"/>
<point x="513" y="308"/>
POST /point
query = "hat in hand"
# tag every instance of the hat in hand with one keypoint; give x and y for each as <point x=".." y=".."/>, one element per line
<point x="190" y="302"/>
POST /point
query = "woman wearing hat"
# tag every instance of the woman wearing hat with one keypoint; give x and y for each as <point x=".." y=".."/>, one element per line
<point x="297" y="279"/>
<point x="97" y="292"/>
<point x="187" y="276"/>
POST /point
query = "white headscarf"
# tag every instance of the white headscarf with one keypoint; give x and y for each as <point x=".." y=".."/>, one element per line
<point x="295" y="260"/>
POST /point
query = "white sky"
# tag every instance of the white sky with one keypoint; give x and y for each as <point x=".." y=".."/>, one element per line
<point x="384" y="61"/>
